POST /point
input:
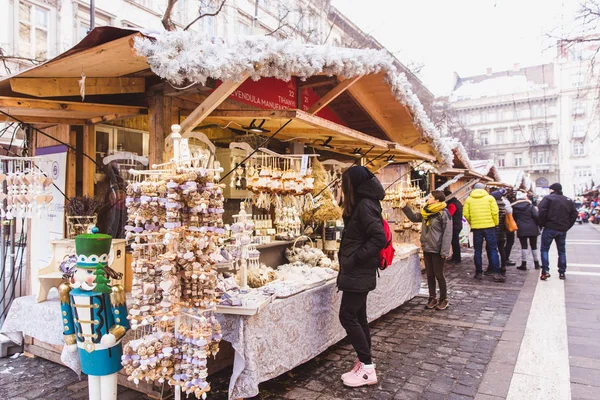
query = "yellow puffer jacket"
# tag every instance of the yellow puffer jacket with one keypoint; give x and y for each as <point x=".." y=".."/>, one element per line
<point x="481" y="210"/>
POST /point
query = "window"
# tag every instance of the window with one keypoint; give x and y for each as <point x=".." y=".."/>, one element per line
<point x="578" y="130"/>
<point x="577" y="80"/>
<point x="583" y="171"/>
<point x="110" y="139"/>
<point x="500" y="115"/>
<point x="537" y="111"/>
<point x="578" y="107"/>
<point x="243" y="25"/>
<point x="500" y="136"/>
<point x="501" y="160"/>
<point x="492" y="116"/>
<point x="483" y="138"/>
<point x="534" y="157"/>
<point x="34" y="40"/>
<point x="517" y="135"/>
<point x="539" y="134"/>
<point x="83" y="21"/>
<point x="518" y="159"/>
<point x="578" y="149"/>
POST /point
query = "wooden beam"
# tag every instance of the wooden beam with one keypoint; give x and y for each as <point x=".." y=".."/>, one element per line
<point x="107" y="118"/>
<point x="370" y="106"/>
<point x="212" y="101"/>
<point x="89" y="168"/>
<point x="61" y="87"/>
<point x="329" y="82"/>
<point x="104" y="109"/>
<point x="44" y="120"/>
<point x="332" y="95"/>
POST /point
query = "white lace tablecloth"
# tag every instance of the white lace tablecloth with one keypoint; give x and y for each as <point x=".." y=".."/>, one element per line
<point x="289" y="332"/>
<point x="41" y="321"/>
<point x="285" y="334"/>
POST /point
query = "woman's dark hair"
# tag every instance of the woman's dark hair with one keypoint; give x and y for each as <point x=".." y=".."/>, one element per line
<point x="438" y="195"/>
<point x="348" y="192"/>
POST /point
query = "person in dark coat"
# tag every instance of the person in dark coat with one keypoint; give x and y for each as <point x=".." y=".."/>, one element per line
<point x="557" y="214"/>
<point x="112" y="217"/>
<point x="455" y="208"/>
<point x="526" y="217"/>
<point x="363" y="239"/>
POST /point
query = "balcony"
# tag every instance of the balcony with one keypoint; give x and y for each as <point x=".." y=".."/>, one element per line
<point x="543" y="167"/>
<point x="543" y="142"/>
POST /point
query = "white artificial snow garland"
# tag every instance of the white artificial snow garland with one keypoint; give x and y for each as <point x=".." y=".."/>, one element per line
<point x="189" y="57"/>
<point x="461" y="153"/>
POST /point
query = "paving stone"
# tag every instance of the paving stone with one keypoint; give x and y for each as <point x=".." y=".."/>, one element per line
<point x="464" y="390"/>
<point x="585" y="376"/>
<point x="583" y="392"/>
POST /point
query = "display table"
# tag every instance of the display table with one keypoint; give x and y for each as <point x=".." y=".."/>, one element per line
<point x="285" y="334"/>
<point x="289" y="332"/>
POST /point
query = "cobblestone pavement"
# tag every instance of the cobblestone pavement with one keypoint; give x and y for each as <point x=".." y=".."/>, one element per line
<point x="420" y="354"/>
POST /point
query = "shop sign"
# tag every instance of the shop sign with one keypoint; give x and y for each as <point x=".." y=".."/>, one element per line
<point x="275" y="94"/>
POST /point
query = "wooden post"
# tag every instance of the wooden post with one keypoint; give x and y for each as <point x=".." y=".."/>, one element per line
<point x="161" y="118"/>
<point x="89" y="168"/>
<point x="71" y="182"/>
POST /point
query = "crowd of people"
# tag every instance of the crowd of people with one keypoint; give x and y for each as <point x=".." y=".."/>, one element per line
<point x="495" y="217"/>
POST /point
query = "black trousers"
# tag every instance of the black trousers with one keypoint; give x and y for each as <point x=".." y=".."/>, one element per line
<point x="510" y="241"/>
<point x="456" y="256"/>
<point x="353" y="316"/>
<point x="532" y="242"/>
<point x="434" y="267"/>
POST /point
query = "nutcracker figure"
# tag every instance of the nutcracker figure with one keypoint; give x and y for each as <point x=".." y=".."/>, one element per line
<point x="94" y="315"/>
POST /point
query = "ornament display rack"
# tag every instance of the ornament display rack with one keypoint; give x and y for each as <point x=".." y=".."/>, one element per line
<point x="175" y="220"/>
<point x="25" y="188"/>
<point x="404" y="191"/>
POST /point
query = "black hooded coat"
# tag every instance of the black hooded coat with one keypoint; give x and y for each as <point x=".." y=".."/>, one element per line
<point x="363" y="237"/>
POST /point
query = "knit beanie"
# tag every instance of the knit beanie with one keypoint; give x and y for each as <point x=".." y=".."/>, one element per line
<point x="358" y="175"/>
<point x="479" y="186"/>
<point x="557" y="187"/>
<point x="497" y="194"/>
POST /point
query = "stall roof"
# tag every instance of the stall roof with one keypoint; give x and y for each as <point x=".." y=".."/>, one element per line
<point x="367" y="78"/>
<point x="517" y="180"/>
<point x="486" y="168"/>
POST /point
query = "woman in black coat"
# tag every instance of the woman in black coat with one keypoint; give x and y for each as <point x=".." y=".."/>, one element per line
<point x="526" y="217"/>
<point x="362" y="240"/>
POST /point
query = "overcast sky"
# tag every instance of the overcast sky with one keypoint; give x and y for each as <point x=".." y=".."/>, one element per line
<point x="465" y="36"/>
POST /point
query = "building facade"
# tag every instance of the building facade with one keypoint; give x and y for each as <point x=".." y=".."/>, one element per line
<point x="512" y="117"/>
<point x="578" y="78"/>
<point x="32" y="31"/>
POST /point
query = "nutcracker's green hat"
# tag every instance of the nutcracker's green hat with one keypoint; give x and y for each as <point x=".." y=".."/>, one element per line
<point x="92" y="250"/>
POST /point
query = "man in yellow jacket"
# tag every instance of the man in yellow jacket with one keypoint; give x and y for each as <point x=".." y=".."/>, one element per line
<point x="481" y="212"/>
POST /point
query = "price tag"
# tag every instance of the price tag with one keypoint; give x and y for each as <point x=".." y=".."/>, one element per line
<point x="304" y="166"/>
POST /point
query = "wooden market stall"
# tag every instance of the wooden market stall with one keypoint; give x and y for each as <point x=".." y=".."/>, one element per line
<point x="119" y="90"/>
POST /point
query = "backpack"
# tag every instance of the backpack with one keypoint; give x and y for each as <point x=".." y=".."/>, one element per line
<point x="386" y="255"/>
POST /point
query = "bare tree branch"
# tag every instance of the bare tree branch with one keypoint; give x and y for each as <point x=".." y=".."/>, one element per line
<point x="166" y="20"/>
<point x="281" y="24"/>
<point x="202" y="15"/>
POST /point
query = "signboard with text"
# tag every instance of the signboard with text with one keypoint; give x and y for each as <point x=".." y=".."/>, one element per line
<point x="275" y="94"/>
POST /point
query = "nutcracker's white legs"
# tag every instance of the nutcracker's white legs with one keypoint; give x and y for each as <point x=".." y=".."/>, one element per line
<point x="94" y="387"/>
<point x="109" y="387"/>
<point x="177" y="392"/>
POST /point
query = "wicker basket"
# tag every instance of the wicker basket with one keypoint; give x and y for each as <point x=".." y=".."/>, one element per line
<point x="77" y="225"/>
